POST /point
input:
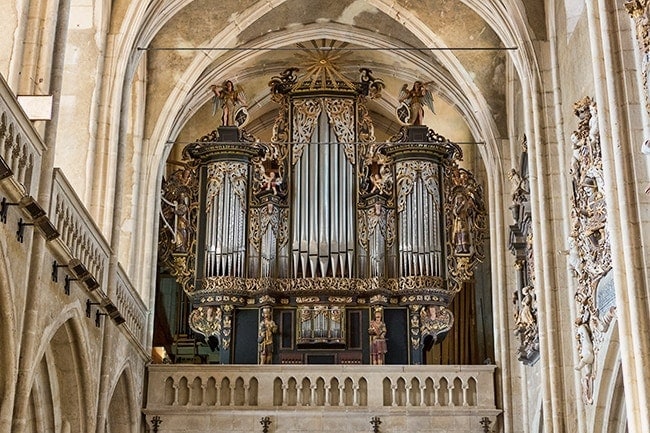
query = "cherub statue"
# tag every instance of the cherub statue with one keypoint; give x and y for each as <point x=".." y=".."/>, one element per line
<point x="272" y="180"/>
<point x="228" y="97"/>
<point x="415" y="99"/>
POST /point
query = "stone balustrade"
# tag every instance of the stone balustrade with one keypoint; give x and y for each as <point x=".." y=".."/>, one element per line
<point x="131" y="307"/>
<point x="78" y="243"/>
<point x="309" y="386"/>
<point x="77" y="229"/>
<point x="21" y="148"/>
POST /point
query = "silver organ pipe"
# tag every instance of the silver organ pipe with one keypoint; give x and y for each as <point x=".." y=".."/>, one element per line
<point x="420" y="247"/>
<point x="225" y="221"/>
<point x="323" y="208"/>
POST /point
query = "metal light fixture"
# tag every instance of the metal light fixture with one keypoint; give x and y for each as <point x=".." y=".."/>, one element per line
<point x="89" y="305"/>
<point x="66" y="285"/>
<point x="375" y="421"/>
<point x="4" y="207"/>
<point x="98" y="315"/>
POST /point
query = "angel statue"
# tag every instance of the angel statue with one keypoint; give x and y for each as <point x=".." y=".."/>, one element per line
<point x="412" y="102"/>
<point x="228" y="97"/>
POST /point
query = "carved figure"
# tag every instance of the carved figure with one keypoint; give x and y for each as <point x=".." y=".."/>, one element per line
<point x="265" y="336"/>
<point x="227" y="97"/>
<point x="377" y="333"/>
<point x="415" y="99"/>
<point x="461" y="226"/>
<point x="271" y="181"/>
<point x="586" y="361"/>
<point x="375" y="181"/>
<point x="519" y="186"/>
<point x="525" y="316"/>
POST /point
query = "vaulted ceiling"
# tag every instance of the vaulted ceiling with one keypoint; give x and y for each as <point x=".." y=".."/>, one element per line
<point x="180" y="48"/>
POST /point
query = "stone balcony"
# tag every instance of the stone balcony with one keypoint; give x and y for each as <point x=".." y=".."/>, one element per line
<point x="340" y="398"/>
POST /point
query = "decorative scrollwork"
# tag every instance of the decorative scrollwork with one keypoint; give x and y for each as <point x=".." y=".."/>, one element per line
<point x="408" y="172"/>
<point x="435" y="321"/>
<point x="417" y="287"/>
<point x="207" y="320"/>
<point x="235" y="172"/>
<point x="305" y="115"/>
<point x="341" y="116"/>
<point x="270" y="217"/>
<point x="376" y="218"/>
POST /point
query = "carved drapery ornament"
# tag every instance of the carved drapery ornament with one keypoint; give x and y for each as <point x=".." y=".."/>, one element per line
<point x="376" y="219"/>
<point x="341" y="116"/>
<point x="305" y="116"/>
<point x="236" y="173"/>
<point x="269" y="218"/>
<point x="590" y="251"/>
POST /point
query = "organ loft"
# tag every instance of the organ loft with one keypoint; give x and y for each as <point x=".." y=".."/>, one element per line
<point x="322" y="245"/>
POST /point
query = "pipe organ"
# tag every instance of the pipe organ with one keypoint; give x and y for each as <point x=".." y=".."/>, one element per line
<point x="321" y="229"/>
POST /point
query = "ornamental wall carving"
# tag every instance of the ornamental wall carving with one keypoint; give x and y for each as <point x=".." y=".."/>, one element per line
<point x="521" y="245"/>
<point x="590" y="252"/>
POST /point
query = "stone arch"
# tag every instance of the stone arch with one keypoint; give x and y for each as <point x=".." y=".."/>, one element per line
<point x="609" y="389"/>
<point x="61" y="386"/>
<point x="122" y="409"/>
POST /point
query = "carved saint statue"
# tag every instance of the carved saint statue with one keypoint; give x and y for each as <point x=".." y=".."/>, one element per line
<point x="377" y="333"/>
<point x="461" y="224"/>
<point x="265" y="336"/>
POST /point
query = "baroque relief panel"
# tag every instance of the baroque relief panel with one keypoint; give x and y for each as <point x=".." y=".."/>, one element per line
<point x="590" y="252"/>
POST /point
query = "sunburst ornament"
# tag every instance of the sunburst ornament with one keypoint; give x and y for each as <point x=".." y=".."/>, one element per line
<point x="322" y="61"/>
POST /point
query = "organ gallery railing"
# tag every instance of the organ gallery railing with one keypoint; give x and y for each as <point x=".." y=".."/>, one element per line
<point x="251" y="387"/>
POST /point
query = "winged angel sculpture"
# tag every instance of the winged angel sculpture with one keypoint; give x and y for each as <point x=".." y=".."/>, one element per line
<point x="413" y="100"/>
<point x="228" y="97"/>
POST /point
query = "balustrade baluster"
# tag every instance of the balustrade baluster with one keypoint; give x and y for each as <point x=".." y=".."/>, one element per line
<point x="355" y="394"/>
<point x="407" y="391"/>
<point x="218" y="399"/>
<point x="436" y="394"/>
<point x="328" y="395"/>
<point x="450" y="392"/>
<point x="203" y="399"/>
<point x="393" y="390"/>
<point x="312" y="395"/>
<point x="465" y="388"/>
<point x="232" y="394"/>
<point x="422" y="391"/>
<point x="285" y="393"/>
<point x="341" y="400"/>
<point x="300" y="398"/>
<point x="247" y="388"/>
